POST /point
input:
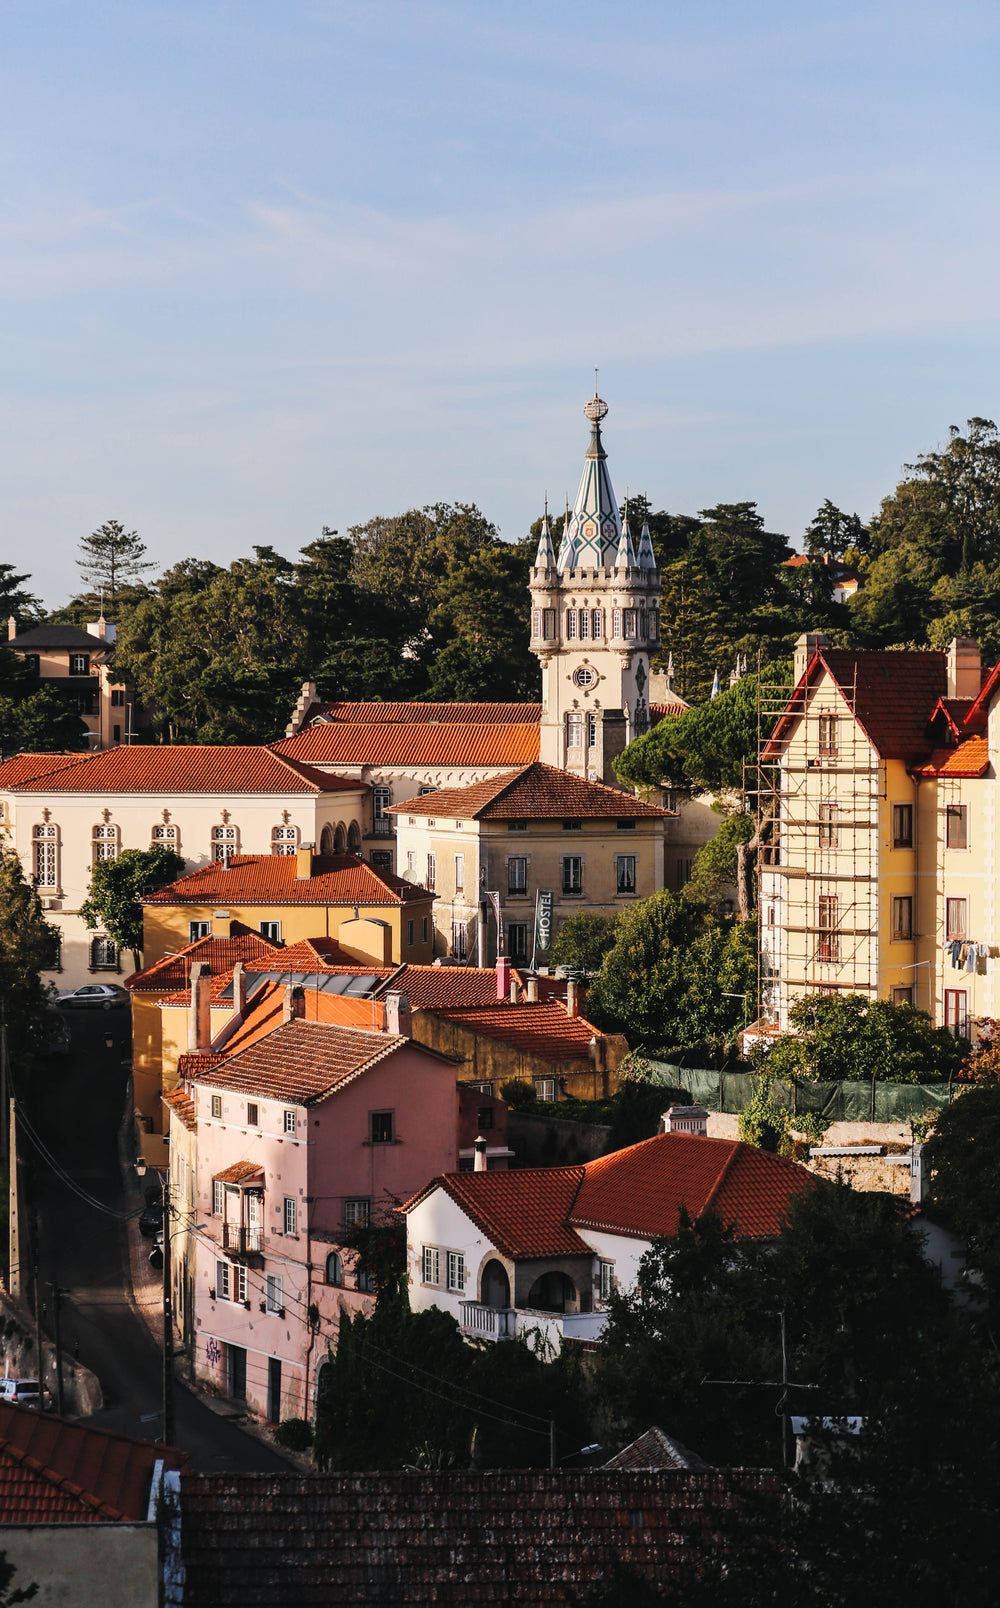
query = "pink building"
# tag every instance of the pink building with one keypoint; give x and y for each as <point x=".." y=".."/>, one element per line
<point x="314" y="1128"/>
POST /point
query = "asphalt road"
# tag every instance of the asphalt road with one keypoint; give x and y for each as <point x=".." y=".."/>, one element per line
<point x="76" y="1111"/>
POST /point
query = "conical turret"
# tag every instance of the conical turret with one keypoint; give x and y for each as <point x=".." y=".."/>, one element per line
<point x="545" y="558"/>
<point x="645" y="557"/>
<point x="626" y="552"/>
<point x="593" y="534"/>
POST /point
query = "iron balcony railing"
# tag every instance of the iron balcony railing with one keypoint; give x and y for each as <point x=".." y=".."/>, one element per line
<point x="383" y="826"/>
<point x="245" y="1241"/>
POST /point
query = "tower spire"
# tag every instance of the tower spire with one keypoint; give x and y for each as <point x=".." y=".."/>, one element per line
<point x="625" y="558"/>
<point x="593" y="534"/>
<point x="645" y="557"/>
<point x="545" y="557"/>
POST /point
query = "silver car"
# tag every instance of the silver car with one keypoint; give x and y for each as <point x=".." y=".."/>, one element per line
<point x="99" y="996"/>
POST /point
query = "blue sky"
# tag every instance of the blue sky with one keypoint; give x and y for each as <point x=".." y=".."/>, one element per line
<point x="265" y="268"/>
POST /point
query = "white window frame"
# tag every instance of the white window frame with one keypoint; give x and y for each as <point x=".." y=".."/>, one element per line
<point x="284" y="839"/>
<point x="570" y="625"/>
<point x="271" y="930"/>
<point x="45" y="855"/>
<point x="570" y="877"/>
<point x="430" y="1265"/>
<point x="225" y="842"/>
<point x="606" y="1279"/>
<point x="104" y="843"/>
<point x="199" y="929"/>
<point x="459" y="873"/>
<point x="584" y="624"/>
<point x="290" y="1215"/>
<point x="459" y="940"/>
<point x="956" y="918"/>
<point x="357" y="1211"/>
<point x="289" y="1122"/>
<point x="274" y="1293"/>
<point x="431" y="870"/>
<point x="517" y="876"/>
<point x="218" y="1197"/>
<point x="546" y="1089"/>
<point x="456" y="1271"/>
<point x="222" y="1284"/>
<point x="103" y="953"/>
<point x="574" y="729"/>
<point x="239" y="1283"/>
<point x="625" y="872"/>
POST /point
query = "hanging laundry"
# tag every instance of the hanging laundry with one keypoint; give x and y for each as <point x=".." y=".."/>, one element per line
<point x="971" y="956"/>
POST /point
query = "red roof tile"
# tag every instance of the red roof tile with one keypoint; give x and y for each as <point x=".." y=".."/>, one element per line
<point x="180" y="1102"/>
<point x="655" y="1450"/>
<point x="317" y="954"/>
<point x="218" y="954"/>
<point x="412" y="714"/>
<point x="23" y="767"/>
<point x="239" y="1172"/>
<point x="640" y="1191"/>
<point x="457" y="743"/>
<point x="544" y="1028"/>
<point x="893" y="696"/>
<point x="436" y="988"/>
<point x="302" y="1061"/>
<point x="270" y="879"/>
<point x="980" y="707"/>
<point x="971" y="758"/>
<point x="535" y="792"/>
<point x="53" y="1471"/>
<point x="524" y="1213"/>
<point x="173" y="768"/>
<point x="454" y="1540"/>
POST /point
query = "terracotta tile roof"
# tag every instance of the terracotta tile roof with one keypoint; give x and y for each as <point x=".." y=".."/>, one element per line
<point x="971" y="758"/>
<point x="218" y="954"/>
<point x="454" y="1540"/>
<point x="662" y="711"/>
<point x="180" y="1102"/>
<point x="980" y="707"/>
<point x="655" y="1450"/>
<point x="239" y="1171"/>
<point x="53" y="1471"/>
<point x="265" y="1012"/>
<point x="524" y="1213"/>
<point x="315" y="954"/>
<point x="640" y="1191"/>
<point x="24" y="767"/>
<point x="448" y="987"/>
<point x="55" y="635"/>
<point x="896" y="693"/>
<point x="302" y="1061"/>
<point x="458" y="743"/>
<point x="535" y="792"/>
<point x="544" y="1028"/>
<point x="412" y="714"/>
<point x="954" y="713"/>
<point x="270" y="879"/>
<point x="167" y="768"/>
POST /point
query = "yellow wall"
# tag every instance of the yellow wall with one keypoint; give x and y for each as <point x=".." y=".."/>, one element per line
<point x="483" y="1059"/>
<point x="166" y="927"/>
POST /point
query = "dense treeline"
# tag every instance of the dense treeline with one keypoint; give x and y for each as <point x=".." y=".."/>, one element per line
<point x="432" y="603"/>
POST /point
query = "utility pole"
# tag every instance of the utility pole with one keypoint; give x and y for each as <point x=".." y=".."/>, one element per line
<point x="786" y="1423"/>
<point x="56" y="1299"/>
<point x="168" y="1322"/>
<point x="553" y="1448"/>
<point x="40" y="1354"/>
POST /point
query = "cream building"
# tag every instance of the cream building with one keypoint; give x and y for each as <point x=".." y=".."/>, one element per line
<point x="78" y="663"/>
<point x="64" y="813"/>
<point x="590" y="847"/>
<point x="879" y="868"/>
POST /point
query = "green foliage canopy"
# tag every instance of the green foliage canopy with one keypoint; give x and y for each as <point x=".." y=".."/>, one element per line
<point x="27" y="947"/>
<point x="116" y="886"/>
<point x="847" y="1036"/>
<point x="583" y="941"/>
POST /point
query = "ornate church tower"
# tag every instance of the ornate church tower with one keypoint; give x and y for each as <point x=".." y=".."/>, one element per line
<point x="595" y="621"/>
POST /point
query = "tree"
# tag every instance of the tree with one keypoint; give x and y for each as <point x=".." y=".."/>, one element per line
<point x="963" y="1155"/>
<point x="763" y="1123"/>
<point x="718" y="864"/>
<point x="112" y="555"/>
<point x="28" y="945"/>
<point x="14" y="600"/>
<point x="855" y="1038"/>
<point x="583" y="941"/>
<point x="836" y="535"/>
<point x="706" y="747"/>
<point x="116" y="887"/>
<point x="679" y="975"/>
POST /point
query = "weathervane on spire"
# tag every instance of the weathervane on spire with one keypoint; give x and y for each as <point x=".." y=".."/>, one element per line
<point x="596" y="409"/>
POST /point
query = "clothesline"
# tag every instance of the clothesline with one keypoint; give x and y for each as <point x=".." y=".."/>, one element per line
<point x="967" y="955"/>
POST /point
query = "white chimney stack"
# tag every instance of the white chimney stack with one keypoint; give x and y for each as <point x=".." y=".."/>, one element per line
<point x="398" y="1015"/>
<point x="532" y="990"/>
<point x="965" y="668"/>
<point x="200" y="1009"/>
<point x="239" y="988"/>
<point x="686" y="1119"/>
<point x="479" y="1164"/>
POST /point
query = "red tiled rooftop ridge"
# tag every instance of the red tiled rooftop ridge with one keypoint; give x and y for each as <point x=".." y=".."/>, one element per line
<point x="302" y="1062"/>
<point x="458" y="743"/>
<point x="337" y="879"/>
<point x="23" y="768"/>
<point x="195" y="768"/>
<point x="55" y="1471"/>
<point x="524" y="1213"/>
<point x="544" y="1027"/>
<point x="970" y="758"/>
<point x="533" y="792"/>
<point x="893" y="696"/>
<point x="412" y="714"/>
<point x="220" y="955"/>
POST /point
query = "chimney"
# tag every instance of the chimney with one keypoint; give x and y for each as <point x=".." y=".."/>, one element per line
<point x="532" y="990"/>
<point x="98" y="628"/>
<point x="805" y="647"/>
<point x="304" y="862"/>
<point x="239" y="989"/>
<point x="479" y="1164"/>
<point x="294" y="1007"/>
<point x="515" y="992"/>
<point x="572" y="1004"/>
<point x="686" y="1119"/>
<point x="11" y="628"/>
<point x="503" y="976"/>
<point x="200" y="1009"/>
<point x="965" y="670"/>
<point x="398" y="1017"/>
<point x="918" y="1174"/>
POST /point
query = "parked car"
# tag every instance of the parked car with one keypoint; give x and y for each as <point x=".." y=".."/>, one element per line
<point x="151" y="1220"/>
<point x="102" y="996"/>
<point x="22" y="1392"/>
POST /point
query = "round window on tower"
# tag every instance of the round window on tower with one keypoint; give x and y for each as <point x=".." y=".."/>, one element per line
<point x="585" y="677"/>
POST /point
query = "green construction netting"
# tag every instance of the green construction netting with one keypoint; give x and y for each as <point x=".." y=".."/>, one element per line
<point x="838" y="1102"/>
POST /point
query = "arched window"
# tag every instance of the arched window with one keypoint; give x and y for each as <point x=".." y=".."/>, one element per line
<point x="225" y="842"/>
<point x="326" y="840"/>
<point x="166" y="837"/>
<point x="105" y="839"/>
<point x="340" y="840"/>
<point x="354" y="838"/>
<point x="45" y="848"/>
<point x="334" y="1270"/>
<point x="284" y="839"/>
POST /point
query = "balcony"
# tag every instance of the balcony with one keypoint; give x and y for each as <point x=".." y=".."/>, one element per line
<point x="242" y="1241"/>
<point x="383" y="826"/>
<point x="480" y="1322"/>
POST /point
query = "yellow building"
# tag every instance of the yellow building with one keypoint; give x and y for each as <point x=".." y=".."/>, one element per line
<point x="532" y="830"/>
<point x="374" y="916"/>
<point x="879" y="853"/>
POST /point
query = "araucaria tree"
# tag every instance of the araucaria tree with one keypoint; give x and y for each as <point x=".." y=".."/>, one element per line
<point x="112" y="557"/>
<point x="116" y="886"/>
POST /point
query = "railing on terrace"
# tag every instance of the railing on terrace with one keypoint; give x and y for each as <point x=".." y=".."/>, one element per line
<point x="488" y="1323"/>
<point x="245" y="1241"/>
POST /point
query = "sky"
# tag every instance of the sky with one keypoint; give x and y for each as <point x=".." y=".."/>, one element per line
<point x="265" y="268"/>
